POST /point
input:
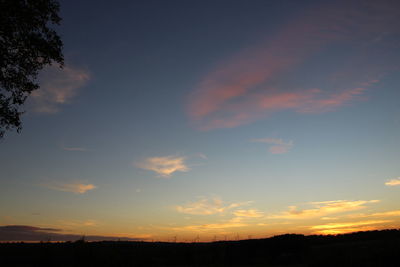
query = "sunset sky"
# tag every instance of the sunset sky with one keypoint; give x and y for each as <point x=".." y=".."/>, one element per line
<point x="210" y="120"/>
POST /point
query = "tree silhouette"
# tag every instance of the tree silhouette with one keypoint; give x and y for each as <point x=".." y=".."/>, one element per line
<point x="27" y="44"/>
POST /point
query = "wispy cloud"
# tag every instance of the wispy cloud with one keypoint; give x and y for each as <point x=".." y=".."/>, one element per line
<point x="58" y="87"/>
<point x="393" y="182"/>
<point x="75" y="223"/>
<point x="164" y="166"/>
<point x="278" y="146"/>
<point x="213" y="226"/>
<point x="347" y="227"/>
<point x="385" y="214"/>
<point x="201" y="155"/>
<point x="233" y="223"/>
<point x="253" y="84"/>
<point x="250" y="213"/>
<point x="33" y="233"/>
<point x="73" y="187"/>
<point x="321" y="209"/>
<point x="327" y="218"/>
<point x="206" y="206"/>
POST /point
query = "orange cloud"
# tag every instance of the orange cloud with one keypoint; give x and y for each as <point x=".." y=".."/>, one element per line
<point x="164" y="166"/>
<point x="233" y="223"/>
<point x="75" y="187"/>
<point x="393" y="182"/>
<point x="341" y="228"/>
<point x="75" y="224"/>
<point x="251" y="85"/>
<point x="58" y="87"/>
<point x="250" y="213"/>
<point x="213" y="226"/>
<point x="321" y="209"/>
<point x="206" y="207"/>
<point x="392" y="213"/>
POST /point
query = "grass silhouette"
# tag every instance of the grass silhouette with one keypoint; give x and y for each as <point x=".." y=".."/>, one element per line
<point x="371" y="248"/>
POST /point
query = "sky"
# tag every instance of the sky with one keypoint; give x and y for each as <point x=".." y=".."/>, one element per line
<point x="210" y="120"/>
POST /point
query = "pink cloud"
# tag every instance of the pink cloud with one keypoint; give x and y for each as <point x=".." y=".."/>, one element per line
<point x="58" y="87"/>
<point x="256" y="106"/>
<point x="279" y="149"/>
<point x="251" y="85"/>
<point x="278" y="146"/>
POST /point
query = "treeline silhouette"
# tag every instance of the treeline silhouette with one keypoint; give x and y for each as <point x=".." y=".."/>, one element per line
<point x="371" y="248"/>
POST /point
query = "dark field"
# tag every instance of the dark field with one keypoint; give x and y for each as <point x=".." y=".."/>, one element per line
<point x="372" y="248"/>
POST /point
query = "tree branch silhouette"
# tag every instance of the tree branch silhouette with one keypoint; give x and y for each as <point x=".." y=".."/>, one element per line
<point x="27" y="45"/>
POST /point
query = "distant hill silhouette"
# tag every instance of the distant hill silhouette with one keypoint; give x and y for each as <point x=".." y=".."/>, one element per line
<point x="371" y="248"/>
